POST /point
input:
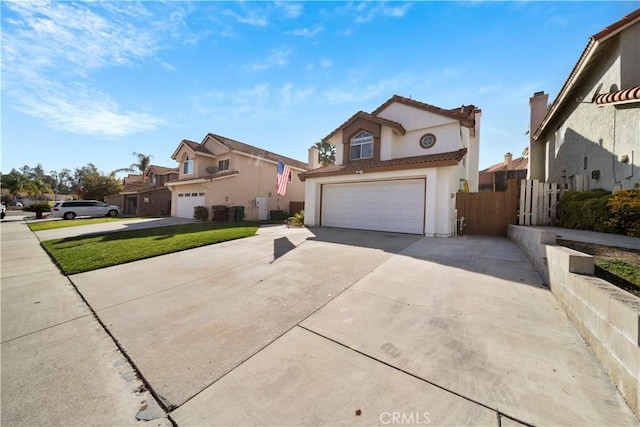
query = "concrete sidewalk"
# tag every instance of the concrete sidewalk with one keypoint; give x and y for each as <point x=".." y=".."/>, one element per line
<point x="59" y="366"/>
<point x="586" y="236"/>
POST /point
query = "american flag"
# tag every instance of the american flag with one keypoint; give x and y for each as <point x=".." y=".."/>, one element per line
<point x="284" y="172"/>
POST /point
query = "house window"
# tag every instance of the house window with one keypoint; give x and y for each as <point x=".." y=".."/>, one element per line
<point x="428" y="140"/>
<point x="187" y="168"/>
<point x="223" y="165"/>
<point x="154" y="179"/>
<point x="362" y="146"/>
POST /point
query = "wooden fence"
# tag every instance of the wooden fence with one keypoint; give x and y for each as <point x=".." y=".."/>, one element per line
<point x="488" y="213"/>
<point x="539" y="202"/>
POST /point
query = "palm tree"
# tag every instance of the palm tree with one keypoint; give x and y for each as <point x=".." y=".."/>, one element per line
<point x="144" y="162"/>
<point x="327" y="153"/>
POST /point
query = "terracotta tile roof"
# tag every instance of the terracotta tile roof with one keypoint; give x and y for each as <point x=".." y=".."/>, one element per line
<point x="587" y="58"/>
<point x="161" y="170"/>
<point x="426" y="161"/>
<point x="198" y="148"/>
<point x="465" y="113"/>
<point x="625" y="95"/>
<point x="372" y="118"/>
<point x="617" y="25"/>
<point x="132" y="179"/>
<point x="516" y="164"/>
<point x="255" y="151"/>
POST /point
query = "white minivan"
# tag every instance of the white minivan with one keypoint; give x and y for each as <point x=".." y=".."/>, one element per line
<point x="73" y="208"/>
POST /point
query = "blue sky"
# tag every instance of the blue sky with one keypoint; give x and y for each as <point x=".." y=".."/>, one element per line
<point x="96" y="81"/>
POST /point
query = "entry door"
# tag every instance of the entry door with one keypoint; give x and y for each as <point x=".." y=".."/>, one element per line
<point x="263" y="209"/>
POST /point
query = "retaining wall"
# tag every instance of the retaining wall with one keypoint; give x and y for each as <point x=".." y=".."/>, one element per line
<point x="607" y="317"/>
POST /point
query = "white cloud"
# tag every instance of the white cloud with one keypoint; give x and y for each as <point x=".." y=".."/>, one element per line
<point x="291" y="10"/>
<point x="254" y="17"/>
<point x="50" y="50"/>
<point x="352" y="92"/>
<point x="251" y="103"/>
<point x="367" y="11"/>
<point x="308" y="32"/>
<point x="277" y="58"/>
<point x="78" y="109"/>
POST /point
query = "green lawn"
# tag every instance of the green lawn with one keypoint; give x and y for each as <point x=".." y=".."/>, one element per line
<point x="85" y="253"/>
<point x="620" y="268"/>
<point x="50" y="225"/>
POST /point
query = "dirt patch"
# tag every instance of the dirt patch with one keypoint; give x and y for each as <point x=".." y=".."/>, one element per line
<point x="606" y="253"/>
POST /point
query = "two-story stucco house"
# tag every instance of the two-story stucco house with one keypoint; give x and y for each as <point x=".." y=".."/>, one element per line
<point x="223" y="172"/>
<point x="590" y="135"/>
<point x="397" y="169"/>
<point x="146" y="194"/>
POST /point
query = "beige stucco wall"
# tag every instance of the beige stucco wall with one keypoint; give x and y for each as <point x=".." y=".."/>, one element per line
<point x="255" y="178"/>
<point x="602" y="134"/>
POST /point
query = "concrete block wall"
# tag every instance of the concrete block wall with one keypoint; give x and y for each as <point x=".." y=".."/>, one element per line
<point x="608" y="318"/>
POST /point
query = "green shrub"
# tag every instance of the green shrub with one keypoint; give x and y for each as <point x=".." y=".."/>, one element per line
<point x="585" y="210"/>
<point x="624" y="211"/>
<point x="39" y="208"/>
<point x="298" y="219"/>
<point x="201" y="213"/>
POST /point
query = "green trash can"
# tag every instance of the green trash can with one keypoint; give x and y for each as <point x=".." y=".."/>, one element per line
<point x="232" y="213"/>
<point x="238" y="213"/>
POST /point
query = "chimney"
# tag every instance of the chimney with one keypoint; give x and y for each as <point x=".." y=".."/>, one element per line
<point x="314" y="157"/>
<point x="538" y="107"/>
<point x="508" y="158"/>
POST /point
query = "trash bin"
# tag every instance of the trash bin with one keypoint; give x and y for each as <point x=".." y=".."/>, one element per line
<point x="232" y="213"/>
<point x="219" y="213"/>
<point x="238" y="213"/>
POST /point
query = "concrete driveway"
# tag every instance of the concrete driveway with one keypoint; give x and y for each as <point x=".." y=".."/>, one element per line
<point x="339" y="327"/>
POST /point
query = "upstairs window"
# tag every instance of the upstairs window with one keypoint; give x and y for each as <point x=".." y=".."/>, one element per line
<point x="362" y="146"/>
<point x="187" y="167"/>
<point x="223" y="165"/>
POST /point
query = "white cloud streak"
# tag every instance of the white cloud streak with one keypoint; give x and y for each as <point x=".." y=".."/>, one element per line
<point x="308" y="32"/>
<point x="277" y="58"/>
<point x="368" y="11"/>
<point x="50" y="50"/>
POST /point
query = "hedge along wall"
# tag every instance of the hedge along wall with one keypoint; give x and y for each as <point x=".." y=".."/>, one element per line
<point x="601" y="210"/>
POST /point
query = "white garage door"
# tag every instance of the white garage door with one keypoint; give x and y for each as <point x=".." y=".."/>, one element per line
<point x="186" y="203"/>
<point x="397" y="206"/>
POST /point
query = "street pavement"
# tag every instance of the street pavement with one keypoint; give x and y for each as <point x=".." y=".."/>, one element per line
<point x="317" y="326"/>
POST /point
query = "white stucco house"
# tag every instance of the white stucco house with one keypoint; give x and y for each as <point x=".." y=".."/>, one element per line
<point x="589" y="137"/>
<point x="397" y="169"/>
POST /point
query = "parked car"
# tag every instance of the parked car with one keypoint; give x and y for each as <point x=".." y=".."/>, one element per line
<point x="3" y="210"/>
<point x="73" y="208"/>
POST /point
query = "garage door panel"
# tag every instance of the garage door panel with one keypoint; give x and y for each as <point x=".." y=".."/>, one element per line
<point x="185" y="205"/>
<point x="396" y="206"/>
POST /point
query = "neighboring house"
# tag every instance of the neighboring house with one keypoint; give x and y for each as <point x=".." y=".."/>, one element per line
<point x="397" y="169"/>
<point x="146" y="194"/>
<point x="223" y="172"/>
<point x="495" y="177"/>
<point x="590" y="135"/>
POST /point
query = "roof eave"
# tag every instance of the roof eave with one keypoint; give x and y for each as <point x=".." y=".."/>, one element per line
<point x="420" y="165"/>
<point x="592" y="46"/>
